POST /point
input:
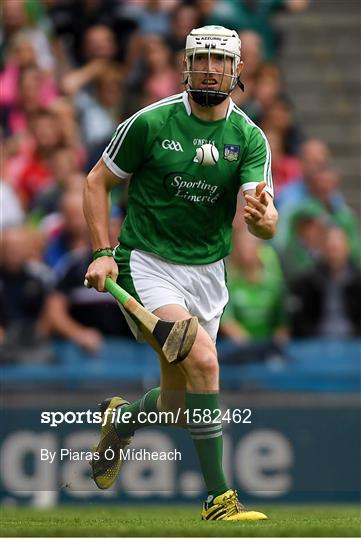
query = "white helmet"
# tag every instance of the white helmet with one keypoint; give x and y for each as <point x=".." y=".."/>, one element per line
<point x="212" y="40"/>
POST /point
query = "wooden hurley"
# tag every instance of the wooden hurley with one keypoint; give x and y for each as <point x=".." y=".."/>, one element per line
<point x="172" y="339"/>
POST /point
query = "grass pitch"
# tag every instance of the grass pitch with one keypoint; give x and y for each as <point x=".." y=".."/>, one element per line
<point x="94" y="520"/>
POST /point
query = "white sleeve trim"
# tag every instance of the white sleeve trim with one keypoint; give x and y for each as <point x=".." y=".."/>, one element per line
<point x="252" y="185"/>
<point x="114" y="167"/>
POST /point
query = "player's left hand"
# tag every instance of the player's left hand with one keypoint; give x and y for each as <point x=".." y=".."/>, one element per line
<point x="256" y="206"/>
<point x="260" y="214"/>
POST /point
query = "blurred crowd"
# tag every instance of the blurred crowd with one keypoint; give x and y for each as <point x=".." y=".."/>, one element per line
<point x="70" y="71"/>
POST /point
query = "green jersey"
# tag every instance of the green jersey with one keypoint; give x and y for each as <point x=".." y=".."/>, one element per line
<point x="177" y="208"/>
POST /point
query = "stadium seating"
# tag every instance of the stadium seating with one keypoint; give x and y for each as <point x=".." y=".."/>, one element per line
<point x="307" y="366"/>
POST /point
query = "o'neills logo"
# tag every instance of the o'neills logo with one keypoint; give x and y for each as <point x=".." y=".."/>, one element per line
<point x="185" y="186"/>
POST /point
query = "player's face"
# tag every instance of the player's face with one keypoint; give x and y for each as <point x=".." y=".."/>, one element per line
<point x="211" y="72"/>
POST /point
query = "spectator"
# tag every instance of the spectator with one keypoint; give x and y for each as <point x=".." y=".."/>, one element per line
<point x="99" y="43"/>
<point x="161" y="79"/>
<point x="24" y="285"/>
<point x="99" y="106"/>
<point x="78" y="314"/>
<point x="252" y="56"/>
<point x="277" y="115"/>
<point x="252" y="53"/>
<point x="15" y="18"/>
<point x="184" y="18"/>
<point x="15" y="155"/>
<point x="256" y="308"/>
<point x="223" y="13"/>
<point x="267" y="88"/>
<point x="306" y="229"/>
<point x="152" y="16"/>
<point x="35" y="91"/>
<point x="11" y="212"/>
<point x="36" y="175"/>
<point x="145" y="74"/>
<point x="84" y="78"/>
<point x="72" y="233"/>
<point x="20" y="56"/>
<point x="285" y="167"/>
<point x="326" y="301"/>
<point x="68" y="125"/>
<point x="100" y="50"/>
<point x="71" y="21"/>
<point x="66" y="178"/>
<point x="323" y="187"/>
<point x="315" y="155"/>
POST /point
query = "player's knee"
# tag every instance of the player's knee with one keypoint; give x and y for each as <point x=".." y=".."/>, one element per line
<point x="204" y="364"/>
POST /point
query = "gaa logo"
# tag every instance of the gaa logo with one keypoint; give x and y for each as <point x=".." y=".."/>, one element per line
<point x="172" y="145"/>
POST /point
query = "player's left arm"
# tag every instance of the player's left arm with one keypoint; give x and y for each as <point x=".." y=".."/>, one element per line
<point x="260" y="213"/>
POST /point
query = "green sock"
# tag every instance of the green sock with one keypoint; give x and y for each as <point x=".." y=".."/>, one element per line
<point x="208" y="440"/>
<point x="147" y="404"/>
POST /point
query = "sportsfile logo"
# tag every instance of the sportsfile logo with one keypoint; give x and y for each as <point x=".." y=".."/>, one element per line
<point x="172" y="145"/>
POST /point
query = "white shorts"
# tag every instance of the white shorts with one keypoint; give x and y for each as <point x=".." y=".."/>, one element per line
<point x="200" y="289"/>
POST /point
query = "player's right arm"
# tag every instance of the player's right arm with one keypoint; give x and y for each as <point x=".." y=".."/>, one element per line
<point x="122" y="157"/>
<point x="98" y="185"/>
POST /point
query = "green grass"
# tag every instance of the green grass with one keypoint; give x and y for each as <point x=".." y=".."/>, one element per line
<point x="163" y="521"/>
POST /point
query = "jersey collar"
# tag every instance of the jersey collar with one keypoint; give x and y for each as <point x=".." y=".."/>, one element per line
<point x="187" y="105"/>
<point x="230" y="108"/>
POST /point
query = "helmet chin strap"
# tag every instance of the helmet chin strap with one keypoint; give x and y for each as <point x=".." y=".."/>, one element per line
<point x="210" y="98"/>
<point x="240" y="84"/>
<point x="207" y="98"/>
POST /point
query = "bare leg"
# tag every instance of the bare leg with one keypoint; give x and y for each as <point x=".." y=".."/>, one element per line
<point x="200" y="368"/>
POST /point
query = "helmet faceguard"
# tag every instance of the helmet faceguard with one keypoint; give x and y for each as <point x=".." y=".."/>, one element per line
<point x="212" y="40"/>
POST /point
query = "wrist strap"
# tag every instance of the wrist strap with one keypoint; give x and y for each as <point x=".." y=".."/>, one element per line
<point x="103" y="253"/>
<point x="107" y="248"/>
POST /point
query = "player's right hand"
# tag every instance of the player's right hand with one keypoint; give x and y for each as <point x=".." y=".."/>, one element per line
<point x="100" y="269"/>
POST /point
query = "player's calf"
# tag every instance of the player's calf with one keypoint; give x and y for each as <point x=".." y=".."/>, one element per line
<point x="173" y="402"/>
